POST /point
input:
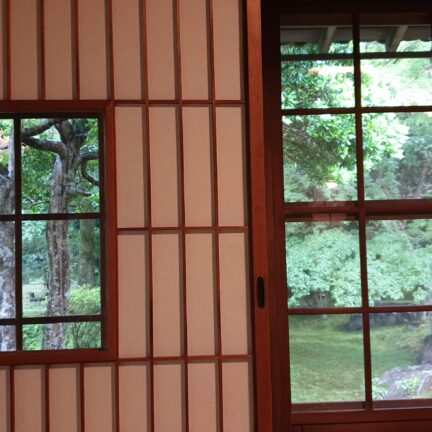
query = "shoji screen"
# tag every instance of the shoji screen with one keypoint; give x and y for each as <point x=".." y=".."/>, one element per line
<point x="173" y="69"/>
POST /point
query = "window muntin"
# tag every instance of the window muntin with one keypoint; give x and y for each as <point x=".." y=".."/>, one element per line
<point x="58" y="219"/>
<point x="389" y="139"/>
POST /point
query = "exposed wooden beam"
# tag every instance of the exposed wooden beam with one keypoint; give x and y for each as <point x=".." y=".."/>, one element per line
<point x="327" y="39"/>
<point x="395" y="38"/>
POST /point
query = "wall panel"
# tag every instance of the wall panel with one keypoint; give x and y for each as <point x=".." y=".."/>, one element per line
<point x="98" y="398"/>
<point x="2" y="52"/>
<point x="198" y="166"/>
<point x="29" y="399"/>
<point x="127" y="49"/>
<point x="231" y="167"/>
<point x="164" y="162"/>
<point x="167" y="317"/>
<point x="58" y="49"/>
<point x="92" y="49"/>
<point x="4" y="400"/>
<point x="203" y="412"/>
<point x="200" y="294"/>
<point x="133" y="295"/>
<point x="177" y="254"/>
<point x="161" y="49"/>
<point x="63" y="399"/>
<point x="237" y="397"/>
<point x="134" y="398"/>
<point x="227" y="49"/>
<point x="234" y="293"/>
<point x="194" y="49"/>
<point x="24" y="49"/>
<point x="131" y="179"/>
<point x="168" y="404"/>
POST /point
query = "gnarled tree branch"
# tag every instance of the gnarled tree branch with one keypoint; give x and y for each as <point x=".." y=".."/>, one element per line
<point x="44" y="145"/>
<point x="41" y="127"/>
<point x="86" y="175"/>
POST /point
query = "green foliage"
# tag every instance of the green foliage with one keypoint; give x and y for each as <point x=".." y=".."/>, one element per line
<point x="84" y="300"/>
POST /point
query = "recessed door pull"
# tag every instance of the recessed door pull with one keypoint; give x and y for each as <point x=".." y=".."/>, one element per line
<point x="260" y="292"/>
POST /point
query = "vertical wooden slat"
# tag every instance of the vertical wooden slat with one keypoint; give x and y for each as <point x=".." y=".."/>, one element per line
<point x="183" y="268"/>
<point x="362" y="215"/>
<point x="220" y="412"/>
<point x="143" y="8"/>
<point x="58" y="49"/>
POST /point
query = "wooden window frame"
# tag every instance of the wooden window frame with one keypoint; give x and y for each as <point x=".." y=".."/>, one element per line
<point x="274" y="409"/>
<point x="104" y="111"/>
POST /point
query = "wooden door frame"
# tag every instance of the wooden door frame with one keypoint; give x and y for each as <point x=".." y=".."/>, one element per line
<point x="273" y="410"/>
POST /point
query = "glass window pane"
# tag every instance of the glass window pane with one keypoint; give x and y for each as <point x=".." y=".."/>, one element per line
<point x="401" y="355"/>
<point x="396" y="82"/>
<point x="399" y="261"/>
<point x="7" y="167"/>
<point x="317" y="84"/>
<point x="395" y="38"/>
<point x="323" y="264"/>
<point x="7" y="338"/>
<point x="398" y="155"/>
<point x="319" y="158"/>
<point x="326" y="359"/>
<point x="316" y="40"/>
<point x="61" y="268"/>
<point x="78" y="335"/>
<point x="60" y="167"/>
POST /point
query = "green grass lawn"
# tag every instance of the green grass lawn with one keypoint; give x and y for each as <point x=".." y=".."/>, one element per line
<point x="327" y="360"/>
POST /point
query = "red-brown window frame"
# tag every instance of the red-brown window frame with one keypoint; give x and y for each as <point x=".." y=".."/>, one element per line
<point x="274" y="411"/>
<point x="105" y="112"/>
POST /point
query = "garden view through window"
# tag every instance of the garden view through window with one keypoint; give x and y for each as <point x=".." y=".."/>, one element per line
<point x="357" y="168"/>
<point x="51" y="232"/>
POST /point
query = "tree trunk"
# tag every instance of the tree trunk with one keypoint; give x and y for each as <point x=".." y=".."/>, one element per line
<point x="58" y="255"/>
<point x="87" y="253"/>
<point x="7" y="253"/>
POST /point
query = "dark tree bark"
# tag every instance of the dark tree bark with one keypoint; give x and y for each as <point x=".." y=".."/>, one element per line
<point x="87" y="263"/>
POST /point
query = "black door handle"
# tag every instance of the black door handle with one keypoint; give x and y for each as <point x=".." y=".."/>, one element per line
<point x="260" y="292"/>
